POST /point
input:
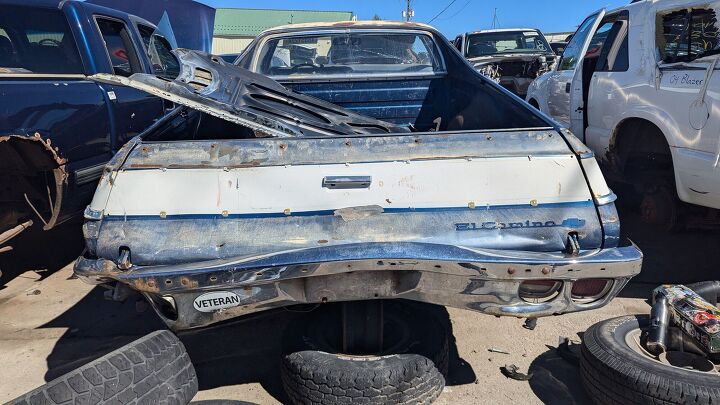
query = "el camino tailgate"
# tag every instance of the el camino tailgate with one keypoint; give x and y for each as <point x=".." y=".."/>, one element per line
<point x="174" y="202"/>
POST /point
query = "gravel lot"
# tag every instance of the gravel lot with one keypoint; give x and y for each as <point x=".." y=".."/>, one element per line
<point x="51" y="323"/>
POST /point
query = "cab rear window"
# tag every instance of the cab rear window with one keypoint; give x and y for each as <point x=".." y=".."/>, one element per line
<point x="36" y="40"/>
<point x="347" y="54"/>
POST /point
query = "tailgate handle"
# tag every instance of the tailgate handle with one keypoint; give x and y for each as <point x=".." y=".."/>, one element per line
<point x="346" y="182"/>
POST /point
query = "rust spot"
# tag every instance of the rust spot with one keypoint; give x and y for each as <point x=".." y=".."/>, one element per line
<point x="511" y="270"/>
<point x="283" y="146"/>
<point x="545" y="270"/>
<point x="322" y="241"/>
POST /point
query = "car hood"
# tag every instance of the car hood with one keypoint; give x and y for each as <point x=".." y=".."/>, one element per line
<point x="209" y="84"/>
<point x="510" y="57"/>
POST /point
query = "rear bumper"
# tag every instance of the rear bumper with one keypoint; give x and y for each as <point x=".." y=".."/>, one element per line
<point x="482" y="280"/>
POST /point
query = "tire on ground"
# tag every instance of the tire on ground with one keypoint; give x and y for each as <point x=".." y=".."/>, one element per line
<point x="614" y="373"/>
<point x="410" y="371"/>
<point x="155" y="369"/>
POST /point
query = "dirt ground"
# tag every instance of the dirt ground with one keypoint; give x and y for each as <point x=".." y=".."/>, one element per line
<point x="51" y="323"/>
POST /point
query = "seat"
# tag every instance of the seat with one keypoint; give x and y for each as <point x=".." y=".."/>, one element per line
<point x="7" y="53"/>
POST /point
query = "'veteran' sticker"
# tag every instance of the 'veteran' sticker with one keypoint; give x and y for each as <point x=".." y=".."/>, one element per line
<point x="213" y="301"/>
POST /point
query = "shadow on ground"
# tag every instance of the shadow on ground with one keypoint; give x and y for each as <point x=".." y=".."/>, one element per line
<point x="44" y="252"/>
<point x="555" y="380"/>
<point x="247" y="350"/>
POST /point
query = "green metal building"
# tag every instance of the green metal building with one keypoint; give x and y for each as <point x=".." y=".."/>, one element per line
<point x="235" y="28"/>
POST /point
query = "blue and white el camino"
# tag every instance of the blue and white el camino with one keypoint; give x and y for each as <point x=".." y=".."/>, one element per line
<point x="251" y="196"/>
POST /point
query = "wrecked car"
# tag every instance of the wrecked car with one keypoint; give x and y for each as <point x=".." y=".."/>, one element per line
<point x="252" y="197"/>
<point x="57" y="128"/>
<point x="637" y="85"/>
<point x="513" y="57"/>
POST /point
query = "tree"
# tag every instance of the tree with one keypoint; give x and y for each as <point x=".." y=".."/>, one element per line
<point x="376" y="18"/>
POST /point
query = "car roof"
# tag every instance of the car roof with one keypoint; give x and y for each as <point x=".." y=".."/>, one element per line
<point x="321" y="26"/>
<point x="502" y="30"/>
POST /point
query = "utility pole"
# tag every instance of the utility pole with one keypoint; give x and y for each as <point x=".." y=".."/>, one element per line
<point x="495" y="20"/>
<point x="409" y="12"/>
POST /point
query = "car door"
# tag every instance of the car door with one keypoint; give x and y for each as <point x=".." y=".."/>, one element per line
<point x="561" y="79"/>
<point x="688" y="89"/>
<point x="606" y="89"/>
<point x="132" y="110"/>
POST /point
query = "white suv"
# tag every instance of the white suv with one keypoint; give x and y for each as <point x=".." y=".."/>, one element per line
<point x="639" y="86"/>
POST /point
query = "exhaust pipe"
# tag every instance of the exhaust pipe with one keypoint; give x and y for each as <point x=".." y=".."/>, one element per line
<point x="658" y="330"/>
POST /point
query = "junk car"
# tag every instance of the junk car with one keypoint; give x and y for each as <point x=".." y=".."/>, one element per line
<point x="57" y="128"/>
<point x="253" y="196"/>
<point x="637" y="85"/>
<point x="382" y="179"/>
<point x="513" y="57"/>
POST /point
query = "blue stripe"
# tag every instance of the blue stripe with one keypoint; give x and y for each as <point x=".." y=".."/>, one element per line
<point x="574" y="204"/>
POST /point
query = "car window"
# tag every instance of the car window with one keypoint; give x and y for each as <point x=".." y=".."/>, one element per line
<point x="572" y="52"/>
<point x="164" y="63"/>
<point x="120" y="48"/>
<point x="688" y="35"/>
<point x="622" y="58"/>
<point x="598" y="39"/>
<point x="349" y="54"/>
<point x="34" y="40"/>
<point x="491" y="43"/>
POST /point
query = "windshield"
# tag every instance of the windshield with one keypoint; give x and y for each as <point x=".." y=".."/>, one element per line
<point x="492" y="43"/>
<point x="346" y="54"/>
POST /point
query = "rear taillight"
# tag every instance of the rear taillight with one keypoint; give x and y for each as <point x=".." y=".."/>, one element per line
<point x="591" y="289"/>
<point x="539" y="290"/>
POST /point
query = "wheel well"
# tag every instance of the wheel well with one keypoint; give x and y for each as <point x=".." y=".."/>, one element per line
<point x="639" y="145"/>
<point x="32" y="176"/>
<point x="534" y="103"/>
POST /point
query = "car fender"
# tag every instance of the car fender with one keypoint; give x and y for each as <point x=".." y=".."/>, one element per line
<point x="538" y="90"/>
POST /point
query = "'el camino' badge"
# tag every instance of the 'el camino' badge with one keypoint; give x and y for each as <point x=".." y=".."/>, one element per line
<point x="213" y="301"/>
<point x="488" y="226"/>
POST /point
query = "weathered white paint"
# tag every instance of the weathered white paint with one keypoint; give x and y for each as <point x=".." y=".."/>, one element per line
<point x="292" y="189"/>
<point x="670" y="99"/>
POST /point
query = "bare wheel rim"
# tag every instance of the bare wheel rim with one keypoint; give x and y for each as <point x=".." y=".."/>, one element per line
<point x="685" y="361"/>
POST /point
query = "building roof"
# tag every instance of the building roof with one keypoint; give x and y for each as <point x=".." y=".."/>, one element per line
<point x="251" y="22"/>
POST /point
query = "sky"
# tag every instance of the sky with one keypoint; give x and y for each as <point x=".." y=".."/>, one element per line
<point x="460" y="16"/>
